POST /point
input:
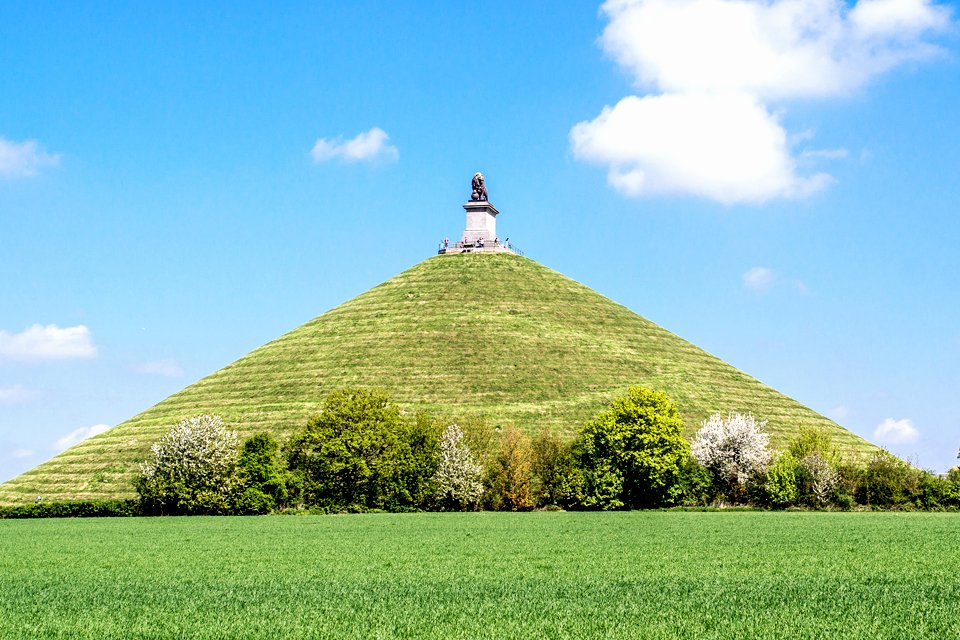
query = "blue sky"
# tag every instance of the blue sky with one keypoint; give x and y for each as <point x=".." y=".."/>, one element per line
<point x="775" y="182"/>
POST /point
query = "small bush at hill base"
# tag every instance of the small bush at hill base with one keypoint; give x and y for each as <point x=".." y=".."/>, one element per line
<point x="193" y="469"/>
<point x="631" y="454"/>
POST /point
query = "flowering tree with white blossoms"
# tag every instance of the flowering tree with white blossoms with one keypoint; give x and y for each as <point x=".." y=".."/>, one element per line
<point x="192" y="469"/>
<point x="459" y="478"/>
<point x="733" y="450"/>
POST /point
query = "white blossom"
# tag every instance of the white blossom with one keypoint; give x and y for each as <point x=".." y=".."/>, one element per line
<point x="460" y="476"/>
<point x="198" y="451"/>
<point x="735" y="448"/>
<point x="824" y="478"/>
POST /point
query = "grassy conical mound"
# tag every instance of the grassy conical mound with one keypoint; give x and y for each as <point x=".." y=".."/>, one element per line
<point x="474" y="334"/>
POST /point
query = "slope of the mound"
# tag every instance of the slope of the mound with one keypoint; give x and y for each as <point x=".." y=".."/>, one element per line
<point x="474" y="334"/>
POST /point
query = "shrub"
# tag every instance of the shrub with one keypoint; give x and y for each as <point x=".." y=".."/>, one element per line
<point x="631" y="454"/>
<point x="557" y="477"/>
<point x="262" y="475"/>
<point x="887" y="481"/>
<point x="73" y="509"/>
<point x="509" y="475"/>
<point x="694" y="485"/>
<point x="356" y="452"/>
<point x="733" y="450"/>
<point x="780" y="483"/>
<point x="193" y="469"/>
<point x="459" y="476"/>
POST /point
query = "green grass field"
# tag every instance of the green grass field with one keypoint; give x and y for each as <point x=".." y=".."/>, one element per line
<point x="486" y="575"/>
<point x="469" y="335"/>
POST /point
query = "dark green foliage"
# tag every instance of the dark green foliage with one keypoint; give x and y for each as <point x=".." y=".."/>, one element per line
<point x="262" y="475"/>
<point x="632" y="453"/>
<point x="74" y="509"/>
<point x="887" y="481"/>
<point x="557" y="477"/>
<point x="166" y="496"/>
<point x="360" y="451"/>
<point x="694" y="485"/>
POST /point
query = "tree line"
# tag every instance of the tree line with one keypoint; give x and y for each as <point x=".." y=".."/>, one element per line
<point x="361" y="453"/>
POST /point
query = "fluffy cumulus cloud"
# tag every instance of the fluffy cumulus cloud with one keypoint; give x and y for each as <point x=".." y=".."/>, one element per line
<point x="24" y="159"/>
<point x="167" y="368"/>
<point x="47" y="342"/>
<point x="367" y="146"/>
<point x="892" y="431"/>
<point x="759" y="279"/>
<point x="79" y="435"/>
<point x="711" y="70"/>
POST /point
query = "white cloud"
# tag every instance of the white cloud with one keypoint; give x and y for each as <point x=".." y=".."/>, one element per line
<point x="14" y="395"/>
<point x="892" y="431"/>
<point x="167" y="368"/>
<point x="366" y="146"/>
<point x="713" y="67"/>
<point x="759" y="279"/>
<point x="725" y="147"/>
<point x="78" y="435"/>
<point x="24" y="159"/>
<point x="48" y="342"/>
<point x="22" y="453"/>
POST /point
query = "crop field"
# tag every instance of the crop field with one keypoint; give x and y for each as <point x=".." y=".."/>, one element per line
<point x="485" y="575"/>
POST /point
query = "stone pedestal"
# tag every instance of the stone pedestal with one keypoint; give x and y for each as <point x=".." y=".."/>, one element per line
<point x="481" y="222"/>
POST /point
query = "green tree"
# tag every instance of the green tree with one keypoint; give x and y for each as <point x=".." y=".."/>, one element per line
<point x="633" y="452"/>
<point x="262" y="475"/>
<point x="357" y="452"/>
<point x="557" y="477"/>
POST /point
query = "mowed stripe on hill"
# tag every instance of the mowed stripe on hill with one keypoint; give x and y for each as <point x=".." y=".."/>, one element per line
<point x="493" y="335"/>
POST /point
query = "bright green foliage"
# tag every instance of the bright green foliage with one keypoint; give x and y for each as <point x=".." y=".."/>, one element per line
<point x="359" y="451"/>
<point x="556" y="353"/>
<point x="780" y="484"/>
<point x="817" y="441"/>
<point x="262" y="475"/>
<point x="585" y="576"/>
<point x="632" y="453"/>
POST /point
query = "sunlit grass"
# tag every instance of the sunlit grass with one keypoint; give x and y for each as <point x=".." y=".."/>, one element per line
<point x="489" y="575"/>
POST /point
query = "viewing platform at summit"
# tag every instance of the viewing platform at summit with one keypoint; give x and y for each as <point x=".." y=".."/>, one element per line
<point x="480" y="234"/>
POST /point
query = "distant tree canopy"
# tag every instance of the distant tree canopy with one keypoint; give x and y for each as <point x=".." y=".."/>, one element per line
<point x="632" y="453"/>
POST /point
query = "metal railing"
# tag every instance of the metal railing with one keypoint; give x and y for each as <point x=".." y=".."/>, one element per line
<point x="468" y="247"/>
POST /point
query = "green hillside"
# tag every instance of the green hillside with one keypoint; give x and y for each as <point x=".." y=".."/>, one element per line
<point x="472" y="334"/>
